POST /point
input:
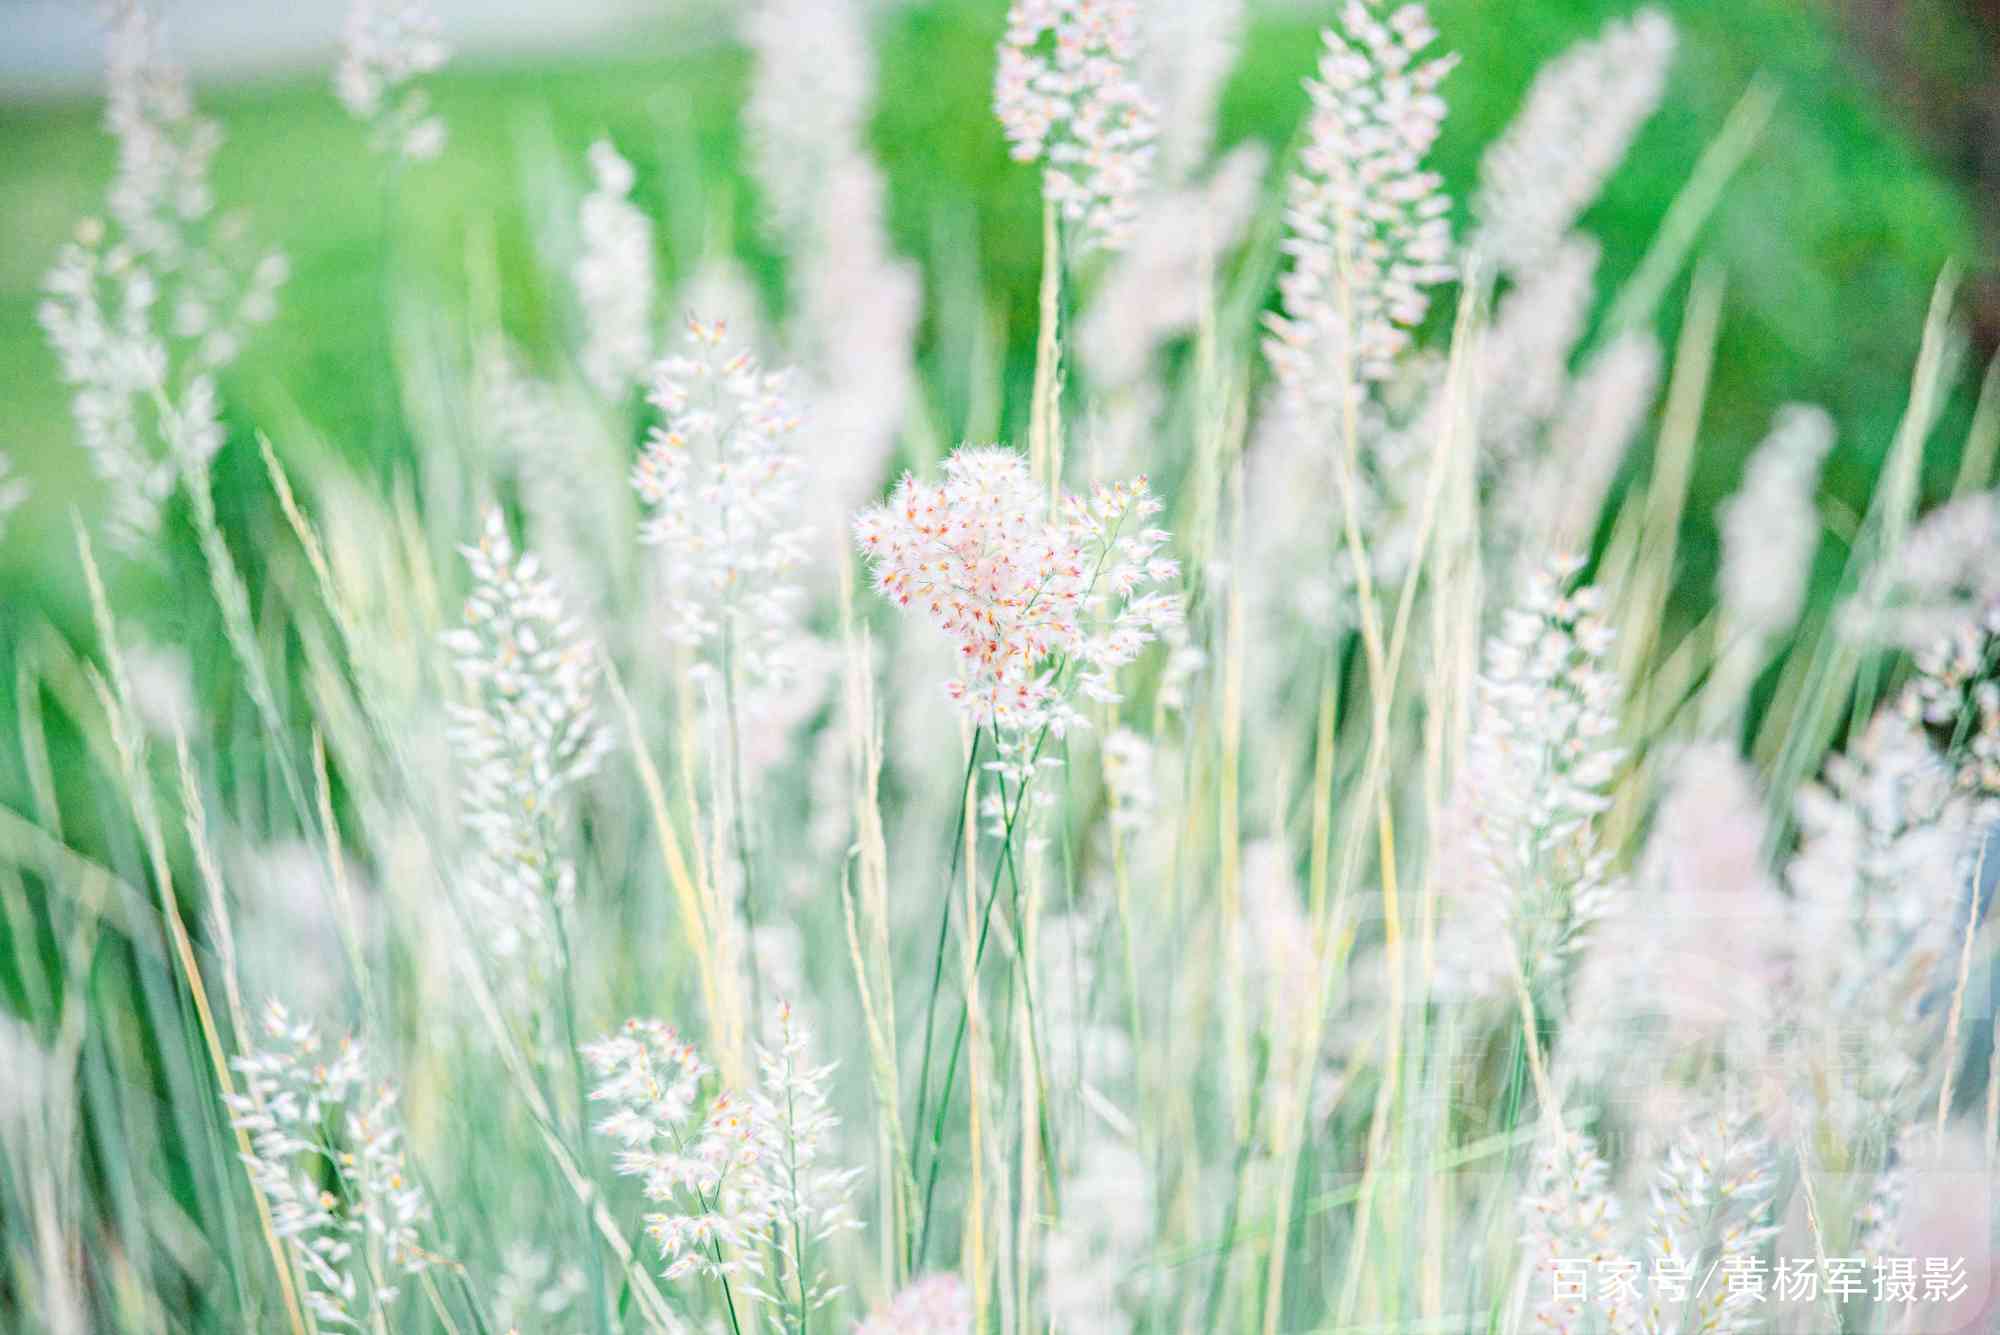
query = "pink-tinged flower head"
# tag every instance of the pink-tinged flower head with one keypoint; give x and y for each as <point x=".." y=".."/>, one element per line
<point x="1038" y="597"/>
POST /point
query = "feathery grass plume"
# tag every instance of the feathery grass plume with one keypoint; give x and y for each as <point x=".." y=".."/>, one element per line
<point x="1570" y="1216"/>
<point x="1581" y="115"/>
<point x="327" y="1151"/>
<point x="1067" y="95"/>
<point x="933" y="1305"/>
<point x="1770" y="527"/>
<point x="1189" y="51"/>
<point x="1366" y="223"/>
<point x="145" y="305"/>
<point x="1042" y="601"/>
<point x="614" y="277"/>
<point x="1877" y="885"/>
<point x="722" y="485"/>
<point x="528" y="735"/>
<point x="700" y="1169"/>
<point x="1539" y="765"/>
<point x="808" y="1200"/>
<point x="386" y="47"/>
<point x="1711" y="1202"/>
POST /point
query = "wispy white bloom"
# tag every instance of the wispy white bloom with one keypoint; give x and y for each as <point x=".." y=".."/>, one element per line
<point x="1040" y="599"/>
<point x="1366" y="224"/>
<point x="1539" y="766"/>
<point x="614" y="277"/>
<point x="1770" y="527"/>
<point x="1067" y="95"/>
<point x="721" y="483"/>
<point x="933" y="1305"/>
<point x="528" y="735"/>
<point x="387" y="47"/>
<point x="327" y="1152"/>
<point x="143" y="307"/>
<point x="1580" y="117"/>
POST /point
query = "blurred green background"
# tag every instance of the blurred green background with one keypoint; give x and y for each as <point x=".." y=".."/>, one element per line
<point x="1830" y="238"/>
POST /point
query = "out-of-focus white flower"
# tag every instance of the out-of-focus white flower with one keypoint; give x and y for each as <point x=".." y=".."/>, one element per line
<point x="13" y="491"/>
<point x="614" y="277"/>
<point x="327" y="1152"/>
<point x="1039" y="599"/>
<point x="1691" y="961"/>
<point x="532" y="1292"/>
<point x="933" y="1305"/>
<point x="1154" y="291"/>
<point x="1190" y="47"/>
<point x="528" y="736"/>
<point x="1878" y="908"/>
<point x="1539" y="765"/>
<point x="807" y="112"/>
<point x="1524" y="356"/>
<point x="1770" y="527"/>
<point x="1940" y="576"/>
<point x="1067" y="95"/>
<point x="162" y="688"/>
<point x="855" y="303"/>
<point x="1580" y="117"/>
<point x="1092" y="1253"/>
<point x="721" y="483"/>
<point x="386" y="47"/>
<point x="1366" y="224"/>
<point x="1555" y="497"/>
<point x="1128" y="776"/>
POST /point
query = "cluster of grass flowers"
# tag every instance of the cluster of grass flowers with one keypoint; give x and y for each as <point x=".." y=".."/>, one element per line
<point x="1342" y="876"/>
